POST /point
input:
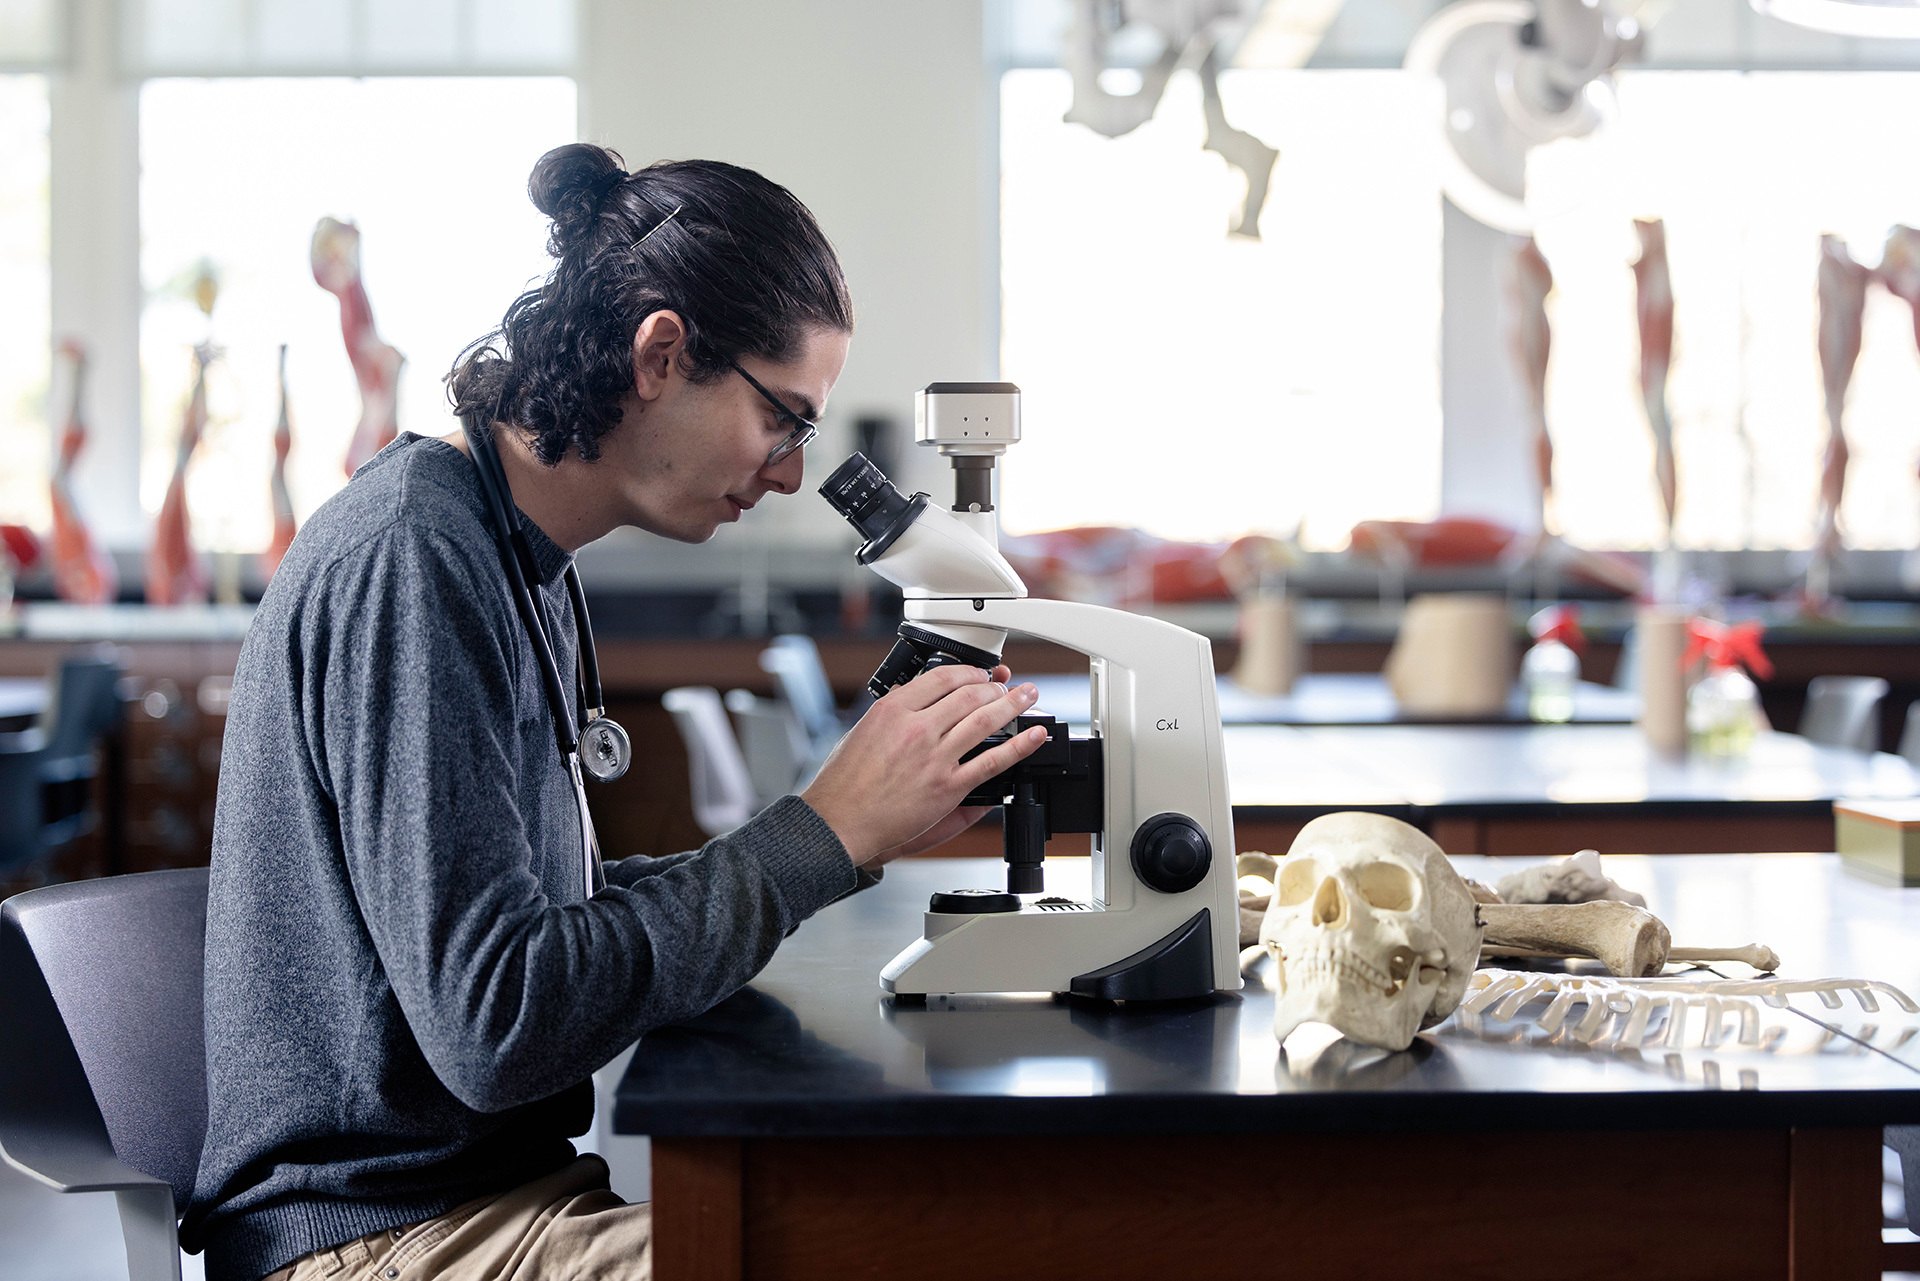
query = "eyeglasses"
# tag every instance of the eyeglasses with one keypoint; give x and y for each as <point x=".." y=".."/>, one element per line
<point x="803" y="431"/>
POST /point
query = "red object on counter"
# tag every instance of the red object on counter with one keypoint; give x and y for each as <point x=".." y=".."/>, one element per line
<point x="1560" y="623"/>
<point x="1448" y="540"/>
<point x="22" y="548"/>
<point x="1142" y="567"/>
<point x="1722" y="645"/>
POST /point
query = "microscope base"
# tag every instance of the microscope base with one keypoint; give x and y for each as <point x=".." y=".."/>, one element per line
<point x="1030" y="951"/>
<point x="1177" y="967"/>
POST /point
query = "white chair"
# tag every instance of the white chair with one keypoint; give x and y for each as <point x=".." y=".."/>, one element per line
<point x="800" y="680"/>
<point x="1910" y="736"/>
<point x="1844" y="711"/>
<point x="776" y="752"/>
<point x="722" y="790"/>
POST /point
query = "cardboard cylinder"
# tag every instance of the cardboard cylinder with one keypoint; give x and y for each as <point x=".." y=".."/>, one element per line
<point x="1454" y="656"/>
<point x="1661" y="637"/>
<point x="1271" y="655"/>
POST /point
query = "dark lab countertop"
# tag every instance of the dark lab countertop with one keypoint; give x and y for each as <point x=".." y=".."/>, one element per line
<point x="813" y="1048"/>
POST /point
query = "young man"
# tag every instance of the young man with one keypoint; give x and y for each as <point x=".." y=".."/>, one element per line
<point x="407" y="982"/>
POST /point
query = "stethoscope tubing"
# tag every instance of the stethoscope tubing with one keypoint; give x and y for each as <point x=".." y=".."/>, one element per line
<point x="517" y="559"/>
<point x="507" y="538"/>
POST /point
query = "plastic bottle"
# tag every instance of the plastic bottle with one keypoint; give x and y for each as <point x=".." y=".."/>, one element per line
<point x="1723" y="707"/>
<point x="1550" y="670"/>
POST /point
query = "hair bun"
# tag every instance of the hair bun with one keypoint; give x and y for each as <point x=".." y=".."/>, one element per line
<point x="568" y="184"/>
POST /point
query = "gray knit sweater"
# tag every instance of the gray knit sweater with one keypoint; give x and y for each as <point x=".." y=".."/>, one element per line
<point x="406" y="990"/>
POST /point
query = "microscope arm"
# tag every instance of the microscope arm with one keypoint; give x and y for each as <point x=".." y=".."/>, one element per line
<point x="1132" y="641"/>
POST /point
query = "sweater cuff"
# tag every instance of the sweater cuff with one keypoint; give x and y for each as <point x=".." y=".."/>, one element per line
<point x="809" y="866"/>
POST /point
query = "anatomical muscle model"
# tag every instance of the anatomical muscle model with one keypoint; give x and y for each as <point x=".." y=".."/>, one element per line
<point x="1843" y="305"/>
<point x="1653" y="309"/>
<point x="1530" y="338"/>
<point x="175" y="574"/>
<point x="282" y="500"/>
<point x="376" y="364"/>
<point x="1900" y="270"/>
<point x="82" y="572"/>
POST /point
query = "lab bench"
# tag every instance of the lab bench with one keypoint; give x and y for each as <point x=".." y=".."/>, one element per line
<point x="810" y="1127"/>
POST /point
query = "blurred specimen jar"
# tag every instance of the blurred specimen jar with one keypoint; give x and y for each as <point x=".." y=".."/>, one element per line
<point x="1549" y="673"/>
<point x="1723" y="707"/>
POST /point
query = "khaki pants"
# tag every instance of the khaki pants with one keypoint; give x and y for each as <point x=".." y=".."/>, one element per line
<point x="568" y="1225"/>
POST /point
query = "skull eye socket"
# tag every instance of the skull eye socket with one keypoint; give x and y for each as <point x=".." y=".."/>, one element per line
<point x="1298" y="879"/>
<point x="1386" y="886"/>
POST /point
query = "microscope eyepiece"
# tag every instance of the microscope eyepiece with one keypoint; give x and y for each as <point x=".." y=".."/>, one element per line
<point x="862" y="493"/>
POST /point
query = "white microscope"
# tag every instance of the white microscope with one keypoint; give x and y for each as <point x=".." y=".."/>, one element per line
<point x="1149" y="783"/>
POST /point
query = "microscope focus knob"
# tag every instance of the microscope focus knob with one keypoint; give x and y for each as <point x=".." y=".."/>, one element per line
<point x="1171" y="853"/>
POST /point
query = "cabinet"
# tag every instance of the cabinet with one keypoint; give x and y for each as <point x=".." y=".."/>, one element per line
<point x="155" y="790"/>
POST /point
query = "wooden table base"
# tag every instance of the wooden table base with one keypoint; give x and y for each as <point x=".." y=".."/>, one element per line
<point x="1739" y="1205"/>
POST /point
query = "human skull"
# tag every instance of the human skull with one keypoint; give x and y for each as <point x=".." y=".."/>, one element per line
<point x="1372" y="931"/>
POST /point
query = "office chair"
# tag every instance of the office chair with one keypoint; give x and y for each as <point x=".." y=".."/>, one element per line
<point x="102" y="1067"/>
<point x="1910" y="736"/>
<point x="1905" y="1140"/>
<point x="776" y="752"/>
<point x="1844" y="711"/>
<point x="46" y="771"/>
<point x="722" y="790"/>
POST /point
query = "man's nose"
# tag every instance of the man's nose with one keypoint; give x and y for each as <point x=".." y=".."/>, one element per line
<point x="784" y="476"/>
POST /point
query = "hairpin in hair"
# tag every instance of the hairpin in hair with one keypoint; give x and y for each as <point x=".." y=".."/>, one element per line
<point x="656" y="226"/>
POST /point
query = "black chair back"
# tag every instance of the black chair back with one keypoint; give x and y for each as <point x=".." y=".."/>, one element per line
<point x="85" y="704"/>
<point x="100" y="996"/>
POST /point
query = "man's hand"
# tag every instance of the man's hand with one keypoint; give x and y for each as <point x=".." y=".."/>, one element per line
<point x="893" y="784"/>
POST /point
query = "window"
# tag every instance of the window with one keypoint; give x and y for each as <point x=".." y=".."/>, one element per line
<point x="434" y="173"/>
<point x="1747" y="169"/>
<point x="26" y="444"/>
<point x="1254" y="385"/>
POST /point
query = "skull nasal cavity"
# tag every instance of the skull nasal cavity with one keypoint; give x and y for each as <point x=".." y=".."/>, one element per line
<point x="1329" y="904"/>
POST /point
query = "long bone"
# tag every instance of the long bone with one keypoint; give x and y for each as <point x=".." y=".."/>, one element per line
<point x="1629" y="941"/>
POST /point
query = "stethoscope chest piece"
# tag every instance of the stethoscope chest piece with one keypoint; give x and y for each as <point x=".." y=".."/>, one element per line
<point x="605" y="749"/>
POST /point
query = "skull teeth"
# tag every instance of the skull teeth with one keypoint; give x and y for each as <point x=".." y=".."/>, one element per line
<point x="1339" y="965"/>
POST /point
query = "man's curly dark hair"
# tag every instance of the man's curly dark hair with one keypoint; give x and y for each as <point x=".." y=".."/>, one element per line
<point x="736" y="256"/>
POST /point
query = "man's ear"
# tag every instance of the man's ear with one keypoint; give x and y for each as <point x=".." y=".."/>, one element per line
<point x="657" y="345"/>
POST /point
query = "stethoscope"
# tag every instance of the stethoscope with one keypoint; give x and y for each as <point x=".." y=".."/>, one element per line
<point x="595" y="744"/>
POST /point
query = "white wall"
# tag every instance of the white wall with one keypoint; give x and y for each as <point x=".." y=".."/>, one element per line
<point x="879" y="115"/>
